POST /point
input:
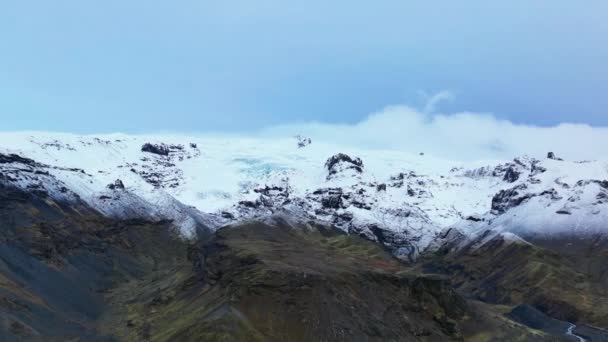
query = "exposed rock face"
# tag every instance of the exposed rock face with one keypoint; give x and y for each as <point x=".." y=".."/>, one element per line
<point x="552" y="155"/>
<point x="342" y="162"/>
<point x="332" y="202"/>
<point x="511" y="175"/>
<point x="474" y="218"/>
<point x="117" y="185"/>
<point x="160" y="149"/>
<point x="14" y="158"/>
<point x="564" y="211"/>
<point x="506" y="199"/>
<point x="513" y="197"/>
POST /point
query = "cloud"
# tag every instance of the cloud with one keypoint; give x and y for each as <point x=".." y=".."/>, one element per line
<point x="433" y="101"/>
<point x="457" y="136"/>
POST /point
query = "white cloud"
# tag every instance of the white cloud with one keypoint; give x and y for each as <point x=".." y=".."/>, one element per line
<point x="433" y="101"/>
<point x="463" y="135"/>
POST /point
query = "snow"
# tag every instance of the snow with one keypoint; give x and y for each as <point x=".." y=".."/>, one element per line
<point x="197" y="184"/>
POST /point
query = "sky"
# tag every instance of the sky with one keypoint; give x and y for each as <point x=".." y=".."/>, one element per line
<point x="238" y="66"/>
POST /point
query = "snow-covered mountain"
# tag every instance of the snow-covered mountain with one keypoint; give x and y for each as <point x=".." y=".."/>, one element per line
<point x="405" y="201"/>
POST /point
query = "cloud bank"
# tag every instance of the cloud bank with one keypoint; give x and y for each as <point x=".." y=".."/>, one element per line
<point x="458" y="136"/>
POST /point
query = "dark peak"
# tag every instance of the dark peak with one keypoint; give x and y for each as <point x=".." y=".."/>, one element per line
<point x="552" y="155"/>
<point x="341" y="157"/>
<point x="341" y="162"/>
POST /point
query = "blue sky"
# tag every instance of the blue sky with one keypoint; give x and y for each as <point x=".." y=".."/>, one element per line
<point x="185" y="65"/>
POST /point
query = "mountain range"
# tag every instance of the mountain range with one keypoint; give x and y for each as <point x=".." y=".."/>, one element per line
<point x="164" y="237"/>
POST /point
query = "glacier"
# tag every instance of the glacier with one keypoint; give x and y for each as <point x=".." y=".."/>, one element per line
<point x="403" y="200"/>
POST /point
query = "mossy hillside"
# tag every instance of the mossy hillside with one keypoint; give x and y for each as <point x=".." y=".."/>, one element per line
<point x="516" y="273"/>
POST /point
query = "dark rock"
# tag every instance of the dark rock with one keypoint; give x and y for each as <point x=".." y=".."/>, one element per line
<point x="474" y="218"/>
<point x="537" y="169"/>
<point x="381" y="187"/>
<point x="227" y="215"/>
<point x="552" y="155"/>
<point x="117" y="185"/>
<point x="269" y="191"/>
<point x="343" y="218"/>
<point x="13" y="158"/>
<point x="332" y="201"/>
<point x="511" y="175"/>
<point x="361" y="205"/>
<point x="353" y="163"/>
<point x="160" y="149"/>
<point x="249" y="204"/>
<point x="266" y="201"/>
<point x="563" y="212"/>
<point x="193" y="145"/>
<point x="509" y="198"/>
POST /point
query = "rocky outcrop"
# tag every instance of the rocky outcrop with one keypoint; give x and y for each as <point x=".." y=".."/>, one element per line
<point x="117" y="185"/>
<point x="513" y="197"/>
<point x="551" y="155"/>
<point x="160" y="149"/>
<point x="340" y="163"/>
<point x="511" y="175"/>
<point x="14" y="158"/>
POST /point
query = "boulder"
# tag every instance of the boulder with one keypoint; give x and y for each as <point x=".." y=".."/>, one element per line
<point x="160" y="149"/>
<point x="117" y="185"/>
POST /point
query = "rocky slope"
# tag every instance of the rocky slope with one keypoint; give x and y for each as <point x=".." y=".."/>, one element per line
<point x="69" y="273"/>
<point x="403" y="201"/>
<point x="507" y="233"/>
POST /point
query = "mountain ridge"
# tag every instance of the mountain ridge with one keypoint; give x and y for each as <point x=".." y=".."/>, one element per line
<point x="403" y="200"/>
<point x="510" y="236"/>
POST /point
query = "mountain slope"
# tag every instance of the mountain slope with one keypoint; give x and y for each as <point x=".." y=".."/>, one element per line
<point x="69" y="273"/>
<point x="401" y="200"/>
<point x="159" y="225"/>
